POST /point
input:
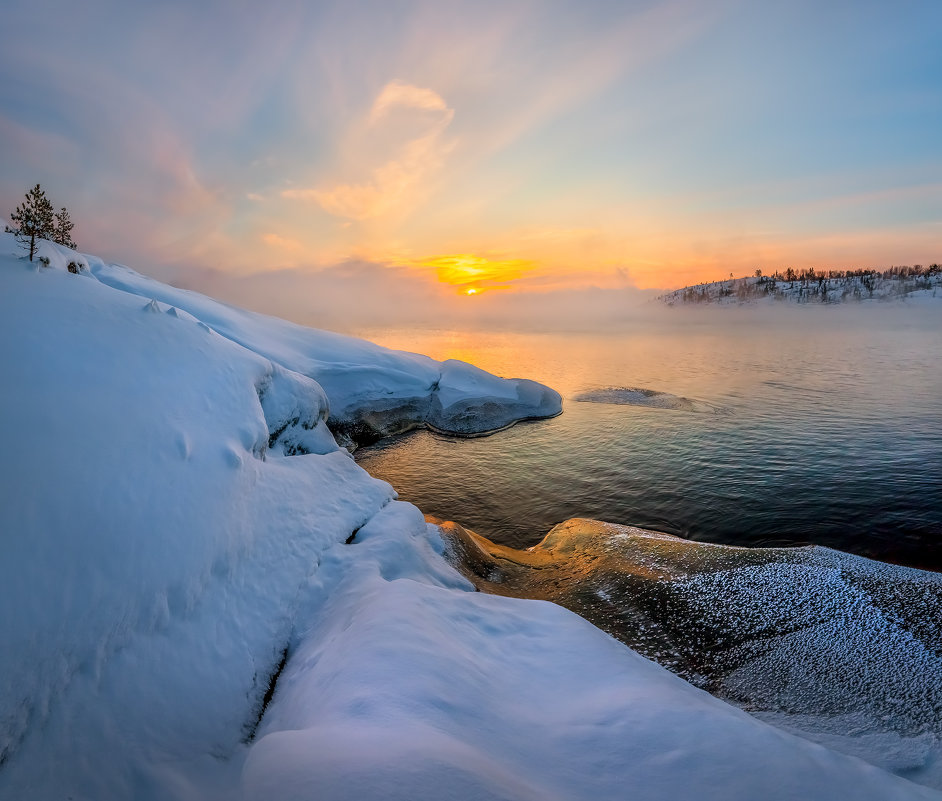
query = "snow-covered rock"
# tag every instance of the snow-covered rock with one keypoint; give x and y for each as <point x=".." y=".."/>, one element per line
<point x="373" y="391"/>
<point x="473" y="696"/>
<point x="191" y="612"/>
<point x="468" y="400"/>
<point x="151" y="557"/>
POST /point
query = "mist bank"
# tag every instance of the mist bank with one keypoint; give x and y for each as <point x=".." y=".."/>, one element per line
<point x="357" y="294"/>
<point x="360" y="295"/>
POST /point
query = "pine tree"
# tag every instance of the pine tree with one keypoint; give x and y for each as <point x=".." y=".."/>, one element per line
<point x="62" y="232"/>
<point x="32" y="220"/>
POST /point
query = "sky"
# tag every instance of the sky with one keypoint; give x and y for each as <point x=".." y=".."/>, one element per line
<point x="400" y="155"/>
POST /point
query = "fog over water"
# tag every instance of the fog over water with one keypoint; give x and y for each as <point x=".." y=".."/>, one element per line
<point x="827" y="430"/>
<point x="360" y="294"/>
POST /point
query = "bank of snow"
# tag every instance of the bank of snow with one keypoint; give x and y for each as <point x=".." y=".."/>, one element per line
<point x="162" y="553"/>
<point x="373" y="391"/>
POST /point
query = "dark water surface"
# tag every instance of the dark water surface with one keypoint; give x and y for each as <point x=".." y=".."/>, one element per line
<point x="828" y="430"/>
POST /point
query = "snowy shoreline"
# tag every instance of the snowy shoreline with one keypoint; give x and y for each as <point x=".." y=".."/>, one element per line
<point x="180" y="525"/>
<point x="897" y="286"/>
<point x="767" y="629"/>
<point x="373" y="392"/>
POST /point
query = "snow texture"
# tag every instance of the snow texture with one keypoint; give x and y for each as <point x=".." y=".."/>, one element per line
<point x="466" y="396"/>
<point x="204" y="599"/>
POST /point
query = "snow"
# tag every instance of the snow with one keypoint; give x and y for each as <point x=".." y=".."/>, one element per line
<point x="467" y="395"/>
<point x="459" y="695"/>
<point x="147" y="546"/>
<point x="175" y="518"/>
<point x="851" y="646"/>
<point x="373" y="391"/>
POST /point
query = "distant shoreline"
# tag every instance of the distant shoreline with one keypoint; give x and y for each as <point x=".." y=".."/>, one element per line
<point x="831" y="287"/>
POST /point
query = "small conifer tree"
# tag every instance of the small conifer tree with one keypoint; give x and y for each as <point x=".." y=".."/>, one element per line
<point x="62" y="230"/>
<point x="32" y="220"/>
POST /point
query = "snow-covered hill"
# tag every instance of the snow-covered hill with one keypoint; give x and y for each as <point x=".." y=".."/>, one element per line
<point x="205" y="597"/>
<point x="909" y="285"/>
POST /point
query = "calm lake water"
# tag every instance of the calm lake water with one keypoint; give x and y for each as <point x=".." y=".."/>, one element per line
<point x="829" y="431"/>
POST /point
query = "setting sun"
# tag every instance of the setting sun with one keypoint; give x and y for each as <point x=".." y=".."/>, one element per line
<point x="461" y="269"/>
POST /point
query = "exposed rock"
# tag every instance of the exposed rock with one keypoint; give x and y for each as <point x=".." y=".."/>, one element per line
<point x="842" y="649"/>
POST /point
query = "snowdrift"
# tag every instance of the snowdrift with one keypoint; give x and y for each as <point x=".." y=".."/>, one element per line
<point x="205" y="597"/>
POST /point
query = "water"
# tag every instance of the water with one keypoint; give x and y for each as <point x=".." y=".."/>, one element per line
<point x="829" y="431"/>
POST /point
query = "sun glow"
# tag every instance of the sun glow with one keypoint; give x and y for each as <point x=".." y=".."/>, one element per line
<point x="471" y="274"/>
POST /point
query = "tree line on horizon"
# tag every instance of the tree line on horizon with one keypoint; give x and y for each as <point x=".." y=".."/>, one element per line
<point x="36" y="219"/>
<point x="810" y="274"/>
<point x="823" y="286"/>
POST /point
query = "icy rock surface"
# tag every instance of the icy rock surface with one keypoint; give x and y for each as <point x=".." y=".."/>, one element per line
<point x="842" y="649"/>
<point x="633" y="396"/>
<point x="406" y="687"/>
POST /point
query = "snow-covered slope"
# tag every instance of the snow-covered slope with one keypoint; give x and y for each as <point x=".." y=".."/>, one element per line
<point x="162" y="555"/>
<point x="373" y="391"/>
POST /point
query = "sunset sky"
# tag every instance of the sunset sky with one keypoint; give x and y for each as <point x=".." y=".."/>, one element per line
<point x="471" y="148"/>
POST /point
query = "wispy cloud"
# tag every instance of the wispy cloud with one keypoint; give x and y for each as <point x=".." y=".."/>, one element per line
<point x="399" y="183"/>
<point x="398" y="94"/>
<point x="558" y="142"/>
<point x="281" y="242"/>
